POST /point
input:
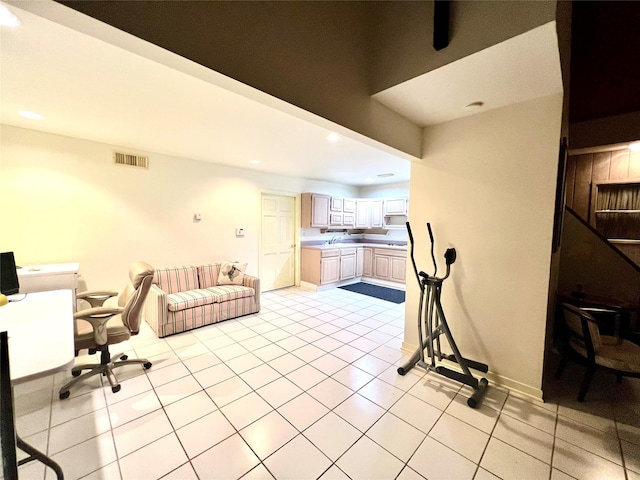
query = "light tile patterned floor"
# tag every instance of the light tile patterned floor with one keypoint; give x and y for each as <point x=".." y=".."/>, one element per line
<point x="308" y="388"/>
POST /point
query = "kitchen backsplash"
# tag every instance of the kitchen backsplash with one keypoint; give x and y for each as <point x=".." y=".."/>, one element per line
<point x="314" y="234"/>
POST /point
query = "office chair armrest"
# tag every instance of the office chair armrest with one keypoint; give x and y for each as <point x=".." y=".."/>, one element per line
<point x="98" y="318"/>
<point x="97" y="312"/>
<point x="96" y="298"/>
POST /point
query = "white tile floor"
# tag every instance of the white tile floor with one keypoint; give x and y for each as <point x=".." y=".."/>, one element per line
<point x="308" y="388"/>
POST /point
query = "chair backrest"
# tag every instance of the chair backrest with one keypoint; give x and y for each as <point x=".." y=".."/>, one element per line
<point x="133" y="296"/>
<point x="582" y="326"/>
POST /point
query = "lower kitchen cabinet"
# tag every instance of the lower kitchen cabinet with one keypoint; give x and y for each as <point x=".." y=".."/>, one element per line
<point x="329" y="270"/>
<point x="389" y="265"/>
<point x="321" y="266"/>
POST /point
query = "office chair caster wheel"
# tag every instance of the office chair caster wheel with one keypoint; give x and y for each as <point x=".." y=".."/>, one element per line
<point x="124" y="357"/>
<point x="75" y="373"/>
<point x="147" y="365"/>
<point x="64" y="395"/>
<point x="115" y="388"/>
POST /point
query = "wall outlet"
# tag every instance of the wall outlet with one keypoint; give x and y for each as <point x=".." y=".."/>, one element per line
<point x="239" y="232"/>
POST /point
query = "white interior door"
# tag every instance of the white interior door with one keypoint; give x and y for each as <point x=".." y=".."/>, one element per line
<point x="277" y="259"/>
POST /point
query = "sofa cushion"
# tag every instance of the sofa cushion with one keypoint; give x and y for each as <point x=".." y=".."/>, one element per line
<point x="226" y="293"/>
<point x="177" y="279"/>
<point x="232" y="273"/>
<point x="208" y="275"/>
<point x="190" y="299"/>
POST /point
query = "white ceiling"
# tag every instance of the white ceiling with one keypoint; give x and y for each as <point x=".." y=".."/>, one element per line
<point x="519" y="69"/>
<point x="155" y="101"/>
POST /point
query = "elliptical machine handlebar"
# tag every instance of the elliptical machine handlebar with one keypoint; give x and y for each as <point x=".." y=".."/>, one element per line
<point x="449" y="257"/>
<point x="433" y="257"/>
<point x="413" y="260"/>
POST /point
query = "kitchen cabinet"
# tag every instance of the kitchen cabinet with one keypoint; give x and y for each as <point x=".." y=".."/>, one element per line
<point x="367" y="262"/>
<point x="389" y="265"/>
<point x="398" y="272"/>
<point x="363" y="213"/>
<point x="349" y="220"/>
<point x="376" y="214"/>
<point x="323" y="266"/>
<point x="325" y="211"/>
<point x="359" y="261"/>
<point x="330" y="270"/>
<point x="381" y="266"/>
<point x="335" y="219"/>
<point x="395" y="206"/>
<point x="348" y="205"/>
<point x="342" y="212"/>
<point x="347" y="263"/>
<point x="341" y="220"/>
<point x="315" y="210"/>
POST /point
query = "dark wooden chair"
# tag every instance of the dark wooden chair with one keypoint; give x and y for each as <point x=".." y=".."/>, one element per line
<point x="581" y="340"/>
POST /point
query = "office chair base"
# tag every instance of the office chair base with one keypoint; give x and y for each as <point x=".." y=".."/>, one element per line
<point x="105" y="369"/>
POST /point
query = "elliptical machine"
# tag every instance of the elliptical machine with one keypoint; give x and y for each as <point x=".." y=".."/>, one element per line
<point x="435" y="324"/>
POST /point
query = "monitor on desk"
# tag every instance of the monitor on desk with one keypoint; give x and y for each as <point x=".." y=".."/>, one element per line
<point x="7" y="419"/>
<point x="8" y="274"/>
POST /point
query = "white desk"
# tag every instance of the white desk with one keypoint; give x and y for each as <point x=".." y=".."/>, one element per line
<point x="40" y="333"/>
<point x="41" y="278"/>
<point x="40" y="337"/>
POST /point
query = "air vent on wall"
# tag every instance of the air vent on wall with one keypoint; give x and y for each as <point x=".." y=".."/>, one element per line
<point x="131" y="160"/>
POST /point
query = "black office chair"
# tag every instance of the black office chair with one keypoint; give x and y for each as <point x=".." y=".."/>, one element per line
<point x="110" y="325"/>
<point x="580" y="340"/>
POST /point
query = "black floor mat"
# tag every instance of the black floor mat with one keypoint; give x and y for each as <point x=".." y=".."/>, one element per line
<point x="383" y="293"/>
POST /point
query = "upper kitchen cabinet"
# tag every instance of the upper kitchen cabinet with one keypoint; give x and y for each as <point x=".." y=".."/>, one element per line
<point x="376" y="213"/>
<point x="363" y="213"/>
<point x="325" y="211"/>
<point x="395" y="206"/>
<point x="342" y="212"/>
<point x="315" y="210"/>
<point x="348" y="205"/>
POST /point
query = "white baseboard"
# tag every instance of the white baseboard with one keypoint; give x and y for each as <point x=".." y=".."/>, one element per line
<point x="318" y="288"/>
<point x="373" y="281"/>
<point x="521" y="389"/>
<point x="384" y="283"/>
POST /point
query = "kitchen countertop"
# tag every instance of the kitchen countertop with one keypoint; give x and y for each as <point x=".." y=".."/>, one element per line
<point x="329" y="246"/>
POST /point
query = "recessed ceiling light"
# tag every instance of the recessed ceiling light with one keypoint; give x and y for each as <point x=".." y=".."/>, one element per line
<point x="255" y="162"/>
<point x="634" y="147"/>
<point x="383" y="175"/>
<point x="474" y="105"/>
<point x="31" y="115"/>
<point x="333" y="137"/>
<point x="8" y="18"/>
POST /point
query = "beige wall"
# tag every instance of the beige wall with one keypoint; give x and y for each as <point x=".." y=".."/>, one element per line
<point x="487" y="186"/>
<point x="390" y="190"/>
<point x="311" y="54"/>
<point x="64" y="200"/>
<point x="403" y="41"/>
<point x="325" y="57"/>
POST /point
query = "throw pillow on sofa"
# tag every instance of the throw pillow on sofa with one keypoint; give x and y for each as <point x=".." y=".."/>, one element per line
<point x="232" y="273"/>
<point x="208" y="275"/>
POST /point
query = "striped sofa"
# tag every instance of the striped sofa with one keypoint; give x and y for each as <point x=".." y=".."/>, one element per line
<point x="187" y="297"/>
